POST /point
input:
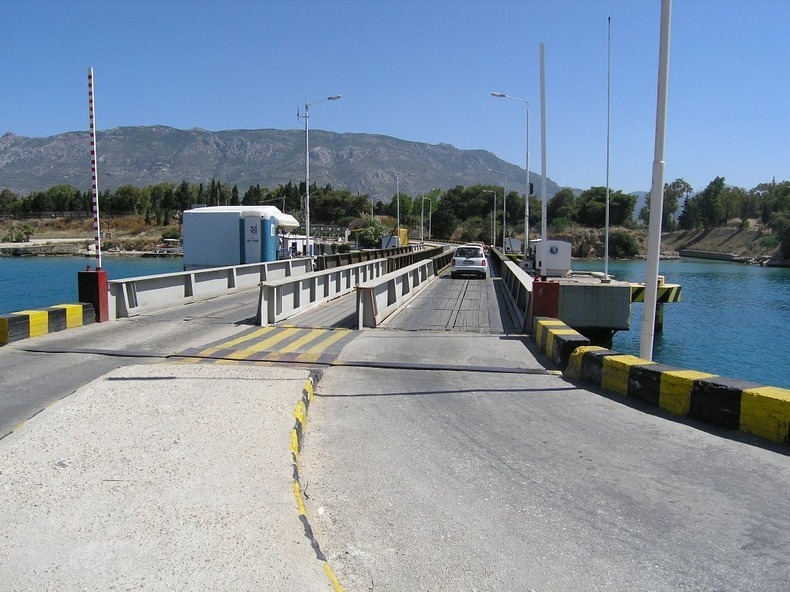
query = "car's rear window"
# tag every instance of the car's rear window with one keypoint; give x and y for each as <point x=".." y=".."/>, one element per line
<point x="468" y="252"/>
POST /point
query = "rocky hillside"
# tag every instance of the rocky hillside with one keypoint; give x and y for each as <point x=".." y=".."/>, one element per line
<point x="756" y="241"/>
<point x="144" y="156"/>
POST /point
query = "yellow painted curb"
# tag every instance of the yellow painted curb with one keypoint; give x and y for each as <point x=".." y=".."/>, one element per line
<point x="675" y="390"/>
<point x="765" y="412"/>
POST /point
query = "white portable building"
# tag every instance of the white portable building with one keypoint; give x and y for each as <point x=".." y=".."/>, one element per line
<point x="217" y="236"/>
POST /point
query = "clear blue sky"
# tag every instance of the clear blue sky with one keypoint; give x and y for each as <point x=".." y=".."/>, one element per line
<point x="422" y="70"/>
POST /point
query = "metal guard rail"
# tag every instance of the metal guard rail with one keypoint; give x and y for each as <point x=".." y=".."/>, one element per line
<point x="397" y="262"/>
<point x="325" y="262"/>
<point x="281" y="299"/>
<point x="136" y="295"/>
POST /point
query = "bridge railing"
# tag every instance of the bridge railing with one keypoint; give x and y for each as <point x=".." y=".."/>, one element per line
<point x="284" y="298"/>
<point x="132" y="296"/>
<point x="519" y="284"/>
<point x="379" y="298"/>
<point x="341" y="259"/>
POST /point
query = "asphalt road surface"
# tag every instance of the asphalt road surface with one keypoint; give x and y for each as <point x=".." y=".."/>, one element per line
<point x="425" y="479"/>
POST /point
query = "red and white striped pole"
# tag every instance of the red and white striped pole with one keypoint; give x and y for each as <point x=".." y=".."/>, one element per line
<point x="94" y="170"/>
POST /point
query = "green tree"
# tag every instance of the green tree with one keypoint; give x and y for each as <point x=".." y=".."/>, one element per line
<point x="370" y="234"/>
<point x="591" y="207"/>
<point x="329" y="207"/>
<point x="780" y="224"/>
<point x="691" y="216"/>
<point x="63" y="197"/>
<point x="561" y="205"/>
<point x="711" y="208"/>
<point x="674" y="192"/>
<point x="732" y="200"/>
<point x="183" y="197"/>
<point x="253" y="196"/>
<point x="8" y="199"/>
<point x="127" y="199"/>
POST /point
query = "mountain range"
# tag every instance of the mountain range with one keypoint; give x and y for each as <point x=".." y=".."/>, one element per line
<point x="377" y="165"/>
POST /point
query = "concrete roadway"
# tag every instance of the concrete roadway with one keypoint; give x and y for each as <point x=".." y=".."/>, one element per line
<point x="450" y="459"/>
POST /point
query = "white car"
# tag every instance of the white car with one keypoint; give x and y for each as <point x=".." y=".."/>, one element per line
<point x="469" y="260"/>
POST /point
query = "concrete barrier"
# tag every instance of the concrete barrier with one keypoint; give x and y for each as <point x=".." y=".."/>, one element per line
<point x="133" y="296"/>
<point x="519" y="283"/>
<point x="379" y="298"/>
<point x="556" y="340"/>
<point x="284" y="298"/>
<point x="763" y="411"/>
<point x="25" y="324"/>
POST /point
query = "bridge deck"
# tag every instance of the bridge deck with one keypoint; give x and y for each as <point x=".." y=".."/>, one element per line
<point x="461" y="305"/>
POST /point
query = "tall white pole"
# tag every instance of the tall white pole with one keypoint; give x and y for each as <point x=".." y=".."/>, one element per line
<point x="527" y="191"/>
<point x="307" y="249"/>
<point x="504" y="212"/>
<point x="526" y="205"/>
<point x="656" y="191"/>
<point x="543" y="208"/>
<point x="94" y="169"/>
<point x="397" y="218"/>
<point x="608" y="117"/>
<point x="422" y="220"/>
<point x="430" y="217"/>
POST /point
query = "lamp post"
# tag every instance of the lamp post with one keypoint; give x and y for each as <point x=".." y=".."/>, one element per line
<point x="493" y="217"/>
<point x="422" y="218"/>
<point x="306" y="117"/>
<point x="528" y="192"/>
<point x="397" y="197"/>
<point x="371" y="203"/>
<point x="504" y="206"/>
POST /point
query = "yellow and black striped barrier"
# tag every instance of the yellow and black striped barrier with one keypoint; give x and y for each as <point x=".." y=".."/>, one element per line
<point x="556" y="339"/>
<point x="763" y="411"/>
<point x="25" y="324"/>
<point x="666" y="293"/>
<point x="726" y="402"/>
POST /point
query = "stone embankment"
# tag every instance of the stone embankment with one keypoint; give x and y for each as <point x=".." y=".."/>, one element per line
<point x="26" y="250"/>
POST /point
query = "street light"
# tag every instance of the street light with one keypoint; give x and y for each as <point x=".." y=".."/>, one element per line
<point x="526" y="205"/>
<point x="306" y="118"/>
<point x="504" y="206"/>
<point x="422" y="218"/>
<point x="493" y="217"/>
<point x="371" y="203"/>
<point x="397" y="197"/>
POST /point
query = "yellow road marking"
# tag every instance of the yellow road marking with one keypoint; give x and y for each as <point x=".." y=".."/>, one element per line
<point x="302" y="341"/>
<point x="311" y="354"/>
<point x="255" y="334"/>
<point x="262" y="345"/>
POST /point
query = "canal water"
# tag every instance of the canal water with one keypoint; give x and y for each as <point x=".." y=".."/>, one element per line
<point x="733" y="319"/>
<point x="36" y="282"/>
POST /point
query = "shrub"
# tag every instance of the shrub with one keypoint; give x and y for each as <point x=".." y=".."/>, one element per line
<point x="171" y="233"/>
<point x="622" y="245"/>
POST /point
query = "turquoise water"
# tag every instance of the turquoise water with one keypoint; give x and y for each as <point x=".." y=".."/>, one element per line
<point x="732" y="320"/>
<point x="37" y="282"/>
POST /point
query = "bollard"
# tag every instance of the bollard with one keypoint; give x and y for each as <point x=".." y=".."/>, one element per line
<point x="92" y="287"/>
